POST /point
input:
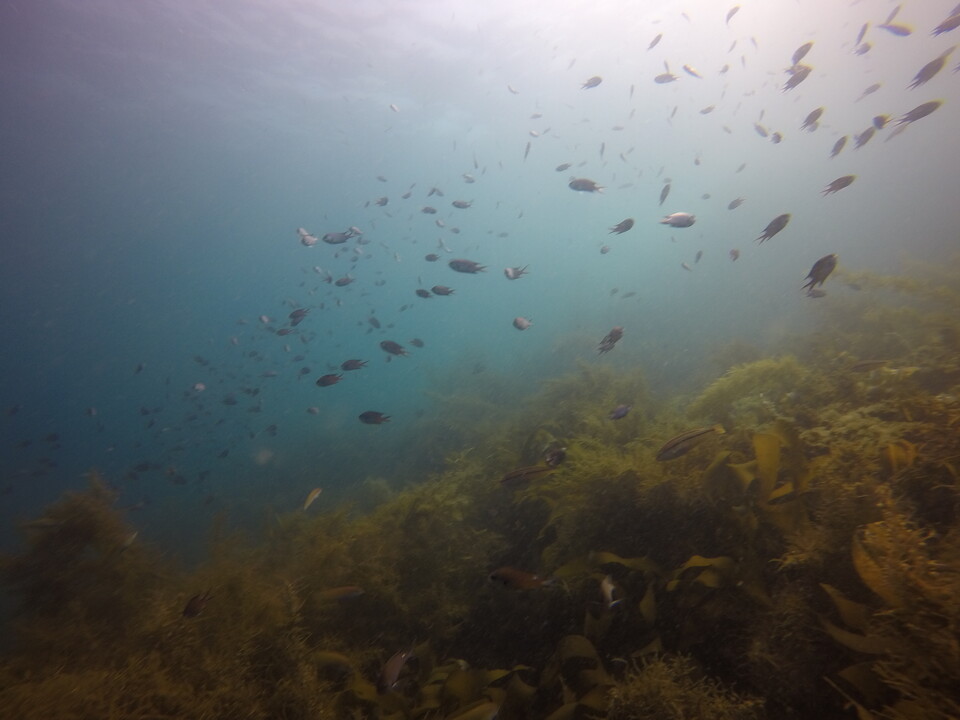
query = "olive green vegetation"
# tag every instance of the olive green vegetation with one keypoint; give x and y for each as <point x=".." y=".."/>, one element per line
<point x="804" y="564"/>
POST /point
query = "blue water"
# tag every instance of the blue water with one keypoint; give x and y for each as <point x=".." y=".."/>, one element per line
<point x="158" y="158"/>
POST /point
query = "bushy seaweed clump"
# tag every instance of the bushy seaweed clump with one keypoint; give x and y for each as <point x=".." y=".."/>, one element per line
<point x="673" y="688"/>
<point x="805" y="561"/>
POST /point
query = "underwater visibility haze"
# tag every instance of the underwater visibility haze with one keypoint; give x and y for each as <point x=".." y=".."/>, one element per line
<point x="426" y="359"/>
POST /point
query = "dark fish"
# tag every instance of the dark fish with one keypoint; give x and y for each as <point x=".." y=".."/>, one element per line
<point x="776" y="138"/>
<point x="731" y="12"/>
<point x="422" y="293"/>
<point x="863" y="31"/>
<point x="622" y="226"/>
<point x="664" y="78"/>
<point x="196" y="605"/>
<point x="951" y="23"/>
<point x="327" y="380"/>
<point x="862" y="48"/>
<point x="895" y="29"/>
<point x="373" y="322"/>
<point x="838" y="146"/>
<point x="761" y="130"/>
<point x="372" y="417"/>
<point x="514" y="579"/>
<point x="810" y="122"/>
<point x="441" y="290"/>
<point x="869" y="91"/>
<point x="735" y="203"/>
<point x="584" y="185"/>
<point x="839" y="184"/>
<point x="775" y="226"/>
<point x="880" y="121"/>
<point x="930" y="69"/>
<point x="435" y="191"/>
<point x="863" y="138"/>
<point x="920" y="111"/>
<point x="526" y="150"/>
<point x="389" y="346"/>
<point x="610" y="339"/>
<point x="820" y="272"/>
<point x="653" y="43"/>
<point x="520" y="475"/>
<point x="697" y="257"/>
<point x="798" y="73"/>
<point x="801" y="52"/>
<point x="466" y="266"/>
<point x="685" y="442"/>
<point x="344" y="281"/>
<point x="390" y="672"/>
<point x="417" y="342"/>
<point x="431" y="257"/>
<point x="734" y="255"/>
<point x="461" y="204"/>
<point x="352" y="364"/>
<point x="620" y="411"/>
<point x="664" y="193"/>
<point x="562" y="167"/>
<point x="337" y="238"/>
<point x="381" y="201"/>
<point x="592" y="82"/>
<point x="816" y="293"/>
<point x="427" y="210"/>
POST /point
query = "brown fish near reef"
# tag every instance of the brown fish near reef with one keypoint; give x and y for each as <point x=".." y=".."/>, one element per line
<point x="584" y="185"/>
<point x="390" y="672"/>
<point x="341" y="594"/>
<point x="610" y="339"/>
<point x="821" y="271"/>
<point x="327" y="380"/>
<point x="514" y="579"/>
<point x="774" y="226"/>
<point x="685" y="442"/>
<point x="394" y="348"/>
<point x="839" y="184"/>
<point x="868" y="365"/>
<point x="520" y="475"/>
<point x="622" y="226"/>
<point x="372" y="417"/>
<point x="196" y="605"/>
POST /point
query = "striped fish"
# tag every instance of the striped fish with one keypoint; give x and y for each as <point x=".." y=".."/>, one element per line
<point x="685" y="442"/>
